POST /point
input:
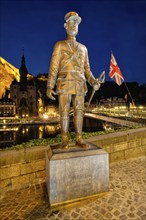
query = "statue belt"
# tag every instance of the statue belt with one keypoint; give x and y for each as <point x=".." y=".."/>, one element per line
<point x="70" y="73"/>
<point x="71" y="69"/>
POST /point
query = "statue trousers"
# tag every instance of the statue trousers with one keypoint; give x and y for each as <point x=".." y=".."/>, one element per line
<point x="64" y="108"/>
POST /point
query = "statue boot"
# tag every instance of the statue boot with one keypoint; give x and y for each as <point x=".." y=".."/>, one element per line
<point x="78" y="123"/>
<point x="64" y="121"/>
<point x="80" y="142"/>
<point x="65" y="141"/>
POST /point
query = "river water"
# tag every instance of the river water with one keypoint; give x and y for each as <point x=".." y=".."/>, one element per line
<point x="17" y="134"/>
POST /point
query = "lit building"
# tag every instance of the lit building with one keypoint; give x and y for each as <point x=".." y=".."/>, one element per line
<point x="23" y="93"/>
<point x="7" y="107"/>
<point x="112" y="102"/>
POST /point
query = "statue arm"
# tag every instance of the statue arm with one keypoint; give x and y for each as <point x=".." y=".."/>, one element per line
<point x="88" y="74"/>
<point x="53" y="71"/>
<point x="54" y="66"/>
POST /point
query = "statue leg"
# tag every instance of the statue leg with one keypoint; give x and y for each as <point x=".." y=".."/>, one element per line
<point x="78" y="121"/>
<point x="64" y="106"/>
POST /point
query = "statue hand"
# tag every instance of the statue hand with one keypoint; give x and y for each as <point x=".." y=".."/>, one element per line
<point x="96" y="86"/>
<point x="50" y="93"/>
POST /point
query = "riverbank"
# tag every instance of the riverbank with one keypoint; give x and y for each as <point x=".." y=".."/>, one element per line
<point x="36" y="121"/>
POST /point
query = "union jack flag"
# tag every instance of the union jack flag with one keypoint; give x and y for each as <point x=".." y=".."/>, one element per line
<point x="115" y="72"/>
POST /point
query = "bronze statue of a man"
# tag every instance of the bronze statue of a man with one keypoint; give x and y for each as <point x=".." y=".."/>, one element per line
<point x="69" y="70"/>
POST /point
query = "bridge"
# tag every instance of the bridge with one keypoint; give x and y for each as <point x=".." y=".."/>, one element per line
<point x="122" y="122"/>
<point x="121" y="115"/>
<point x="134" y="117"/>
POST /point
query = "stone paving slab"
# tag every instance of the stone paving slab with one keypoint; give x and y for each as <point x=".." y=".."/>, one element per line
<point x="126" y="199"/>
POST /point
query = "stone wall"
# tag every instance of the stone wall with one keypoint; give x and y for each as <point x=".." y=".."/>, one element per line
<point x="21" y="168"/>
<point x="123" y="145"/>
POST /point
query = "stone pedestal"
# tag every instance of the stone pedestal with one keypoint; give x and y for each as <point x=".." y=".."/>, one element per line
<point x="75" y="174"/>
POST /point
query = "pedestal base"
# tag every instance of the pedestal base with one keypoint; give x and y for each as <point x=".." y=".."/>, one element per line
<point x="76" y="173"/>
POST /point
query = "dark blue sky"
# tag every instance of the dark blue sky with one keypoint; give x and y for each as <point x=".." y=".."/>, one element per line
<point x="117" y="25"/>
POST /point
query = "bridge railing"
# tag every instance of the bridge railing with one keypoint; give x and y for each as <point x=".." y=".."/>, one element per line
<point x="137" y="112"/>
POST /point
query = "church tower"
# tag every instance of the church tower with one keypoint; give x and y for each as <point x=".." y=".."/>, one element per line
<point x="23" y="74"/>
<point x="23" y="93"/>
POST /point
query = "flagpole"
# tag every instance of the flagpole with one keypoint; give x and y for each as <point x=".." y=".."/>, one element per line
<point x="129" y="93"/>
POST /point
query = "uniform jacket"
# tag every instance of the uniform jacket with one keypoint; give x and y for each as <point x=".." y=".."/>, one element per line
<point x="69" y="68"/>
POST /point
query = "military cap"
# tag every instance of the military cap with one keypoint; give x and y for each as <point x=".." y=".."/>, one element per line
<point x="72" y="16"/>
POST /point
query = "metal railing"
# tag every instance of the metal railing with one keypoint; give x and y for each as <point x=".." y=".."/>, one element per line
<point x="135" y="112"/>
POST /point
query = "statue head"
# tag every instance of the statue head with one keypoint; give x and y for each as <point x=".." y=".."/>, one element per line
<point x="72" y="20"/>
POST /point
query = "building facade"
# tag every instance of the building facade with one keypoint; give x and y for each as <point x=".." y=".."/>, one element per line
<point x="23" y="93"/>
<point x="7" y="107"/>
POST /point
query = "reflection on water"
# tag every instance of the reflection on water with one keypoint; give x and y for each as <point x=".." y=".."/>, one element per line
<point x="52" y="130"/>
<point x="12" y="135"/>
<point x="91" y="125"/>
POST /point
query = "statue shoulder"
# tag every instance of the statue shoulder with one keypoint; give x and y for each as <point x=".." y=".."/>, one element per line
<point x="57" y="46"/>
<point x="83" y="46"/>
<point x="58" y="43"/>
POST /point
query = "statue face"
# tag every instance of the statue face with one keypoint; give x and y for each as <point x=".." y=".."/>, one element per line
<point x="71" y="28"/>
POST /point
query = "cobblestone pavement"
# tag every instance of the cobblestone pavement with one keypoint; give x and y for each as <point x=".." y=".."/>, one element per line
<point x="126" y="199"/>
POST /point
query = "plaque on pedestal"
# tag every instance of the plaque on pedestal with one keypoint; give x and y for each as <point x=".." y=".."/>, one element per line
<point x="75" y="174"/>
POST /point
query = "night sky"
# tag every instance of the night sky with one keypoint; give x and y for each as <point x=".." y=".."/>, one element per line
<point x="117" y="25"/>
